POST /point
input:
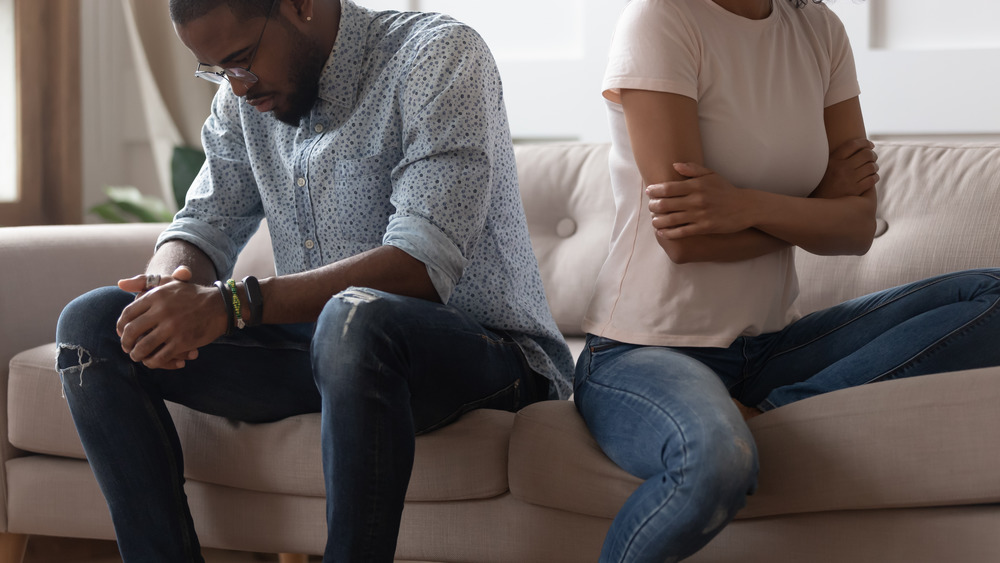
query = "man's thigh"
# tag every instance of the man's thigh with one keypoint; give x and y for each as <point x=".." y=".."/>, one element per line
<point x="259" y="374"/>
<point x="448" y="361"/>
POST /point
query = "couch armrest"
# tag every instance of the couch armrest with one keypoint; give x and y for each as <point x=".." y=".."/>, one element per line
<point x="41" y="270"/>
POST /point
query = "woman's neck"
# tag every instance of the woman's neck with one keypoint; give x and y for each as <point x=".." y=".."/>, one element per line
<point x="750" y="9"/>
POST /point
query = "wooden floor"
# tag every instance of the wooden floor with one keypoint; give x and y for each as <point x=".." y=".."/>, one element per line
<point x="43" y="549"/>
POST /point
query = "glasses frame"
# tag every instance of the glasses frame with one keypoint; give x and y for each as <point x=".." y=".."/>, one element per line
<point x="239" y="73"/>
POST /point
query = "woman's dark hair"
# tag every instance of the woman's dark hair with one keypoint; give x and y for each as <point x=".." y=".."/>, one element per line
<point x="185" y="11"/>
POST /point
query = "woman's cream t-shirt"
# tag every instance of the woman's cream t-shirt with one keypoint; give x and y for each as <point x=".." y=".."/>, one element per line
<point x="761" y="87"/>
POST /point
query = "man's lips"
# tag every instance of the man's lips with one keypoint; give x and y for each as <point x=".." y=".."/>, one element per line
<point x="262" y="104"/>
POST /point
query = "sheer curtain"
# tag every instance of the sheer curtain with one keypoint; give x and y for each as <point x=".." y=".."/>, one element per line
<point x="175" y="104"/>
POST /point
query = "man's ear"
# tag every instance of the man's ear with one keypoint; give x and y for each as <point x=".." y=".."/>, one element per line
<point x="303" y="9"/>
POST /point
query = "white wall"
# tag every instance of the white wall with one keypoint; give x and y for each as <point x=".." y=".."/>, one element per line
<point x="551" y="55"/>
<point x="927" y="67"/>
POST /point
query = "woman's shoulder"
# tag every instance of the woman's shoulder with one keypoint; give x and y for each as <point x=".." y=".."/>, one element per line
<point x="663" y="8"/>
<point x="818" y="16"/>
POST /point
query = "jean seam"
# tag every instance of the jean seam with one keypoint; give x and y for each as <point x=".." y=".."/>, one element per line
<point x="684" y="452"/>
<point x="372" y="527"/>
<point x="176" y="493"/>
<point x="859" y="317"/>
<point x="471" y="406"/>
<point x="937" y="345"/>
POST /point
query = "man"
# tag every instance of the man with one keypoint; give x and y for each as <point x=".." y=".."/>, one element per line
<point x="377" y="146"/>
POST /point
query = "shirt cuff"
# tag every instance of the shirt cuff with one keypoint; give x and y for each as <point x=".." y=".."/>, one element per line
<point x="427" y="243"/>
<point x="218" y="247"/>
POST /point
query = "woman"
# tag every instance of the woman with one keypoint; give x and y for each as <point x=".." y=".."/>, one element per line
<point x="723" y="115"/>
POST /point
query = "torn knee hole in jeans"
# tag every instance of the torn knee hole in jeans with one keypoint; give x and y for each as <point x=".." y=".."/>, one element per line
<point x="84" y="359"/>
<point x="355" y="296"/>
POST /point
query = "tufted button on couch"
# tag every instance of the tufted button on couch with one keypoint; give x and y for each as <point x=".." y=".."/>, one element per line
<point x="901" y="471"/>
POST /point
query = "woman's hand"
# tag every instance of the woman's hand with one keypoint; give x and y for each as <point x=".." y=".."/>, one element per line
<point x="851" y="171"/>
<point x="704" y="203"/>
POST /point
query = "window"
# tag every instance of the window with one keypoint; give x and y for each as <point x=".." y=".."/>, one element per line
<point x="8" y="105"/>
<point x="44" y="35"/>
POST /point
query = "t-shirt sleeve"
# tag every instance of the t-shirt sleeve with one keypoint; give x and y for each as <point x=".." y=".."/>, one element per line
<point x="843" y="74"/>
<point x="655" y="47"/>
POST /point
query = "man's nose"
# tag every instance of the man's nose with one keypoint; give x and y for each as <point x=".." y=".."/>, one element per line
<point x="239" y="87"/>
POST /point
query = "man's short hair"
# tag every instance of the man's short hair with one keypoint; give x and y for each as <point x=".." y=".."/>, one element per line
<point x="186" y="11"/>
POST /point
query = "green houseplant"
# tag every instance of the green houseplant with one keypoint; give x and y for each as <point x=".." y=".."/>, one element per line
<point x="127" y="204"/>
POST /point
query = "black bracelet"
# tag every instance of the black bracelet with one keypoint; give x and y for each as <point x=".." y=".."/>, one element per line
<point x="227" y="301"/>
<point x="255" y="300"/>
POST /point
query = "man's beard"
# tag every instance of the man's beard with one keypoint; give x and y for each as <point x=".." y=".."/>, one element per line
<point x="304" y="74"/>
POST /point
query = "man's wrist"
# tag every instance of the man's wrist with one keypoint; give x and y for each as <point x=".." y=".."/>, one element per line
<point x="253" y="302"/>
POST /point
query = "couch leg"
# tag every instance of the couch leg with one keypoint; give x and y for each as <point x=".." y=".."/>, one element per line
<point x="12" y="547"/>
<point x="289" y="558"/>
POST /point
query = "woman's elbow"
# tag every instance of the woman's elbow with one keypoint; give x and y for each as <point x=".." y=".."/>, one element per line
<point x="680" y="251"/>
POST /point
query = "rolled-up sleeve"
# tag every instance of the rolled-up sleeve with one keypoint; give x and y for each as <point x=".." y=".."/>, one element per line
<point x="425" y="242"/>
<point x="453" y="117"/>
<point x="222" y="209"/>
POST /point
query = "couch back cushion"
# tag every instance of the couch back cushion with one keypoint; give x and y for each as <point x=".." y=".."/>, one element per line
<point x="566" y="189"/>
<point x="938" y="212"/>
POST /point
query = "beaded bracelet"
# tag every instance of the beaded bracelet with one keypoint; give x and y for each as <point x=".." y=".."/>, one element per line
<point x="227" y="303"/>
<point x="231" y="284"/>
<point x="255" y="300"/>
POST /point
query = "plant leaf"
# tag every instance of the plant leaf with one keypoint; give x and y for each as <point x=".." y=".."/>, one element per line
<point x="185" y="163"/>
<point x="109" y="212"/>
<point x="130" y="201"/>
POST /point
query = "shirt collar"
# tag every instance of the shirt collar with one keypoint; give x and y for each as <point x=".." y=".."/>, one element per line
<point x="338" y="83"/>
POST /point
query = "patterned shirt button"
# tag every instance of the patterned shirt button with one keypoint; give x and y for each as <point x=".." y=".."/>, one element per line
<point x="310" y="244"/>
<point x="301" y="182"/>
<point x="318" y="128"/>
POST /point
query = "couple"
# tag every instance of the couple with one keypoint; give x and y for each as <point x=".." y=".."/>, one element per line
<point x="377" y="146"/>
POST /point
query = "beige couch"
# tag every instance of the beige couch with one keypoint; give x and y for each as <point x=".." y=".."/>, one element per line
<point x="904" y="471"/>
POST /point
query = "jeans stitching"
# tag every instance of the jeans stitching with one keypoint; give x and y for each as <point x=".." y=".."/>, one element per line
<point x="177" y="493"/>
<point x="940" y="344"/>
<point x="862" y="315"/>
<point x="649" y="518"/>
<point x="852" y="320"/>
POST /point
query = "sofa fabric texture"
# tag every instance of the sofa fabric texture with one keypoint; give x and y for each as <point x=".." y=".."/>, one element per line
<point x="890" y="472"/>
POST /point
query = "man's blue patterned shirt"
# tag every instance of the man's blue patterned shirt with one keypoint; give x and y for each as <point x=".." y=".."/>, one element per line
<point x="407" y="145"/>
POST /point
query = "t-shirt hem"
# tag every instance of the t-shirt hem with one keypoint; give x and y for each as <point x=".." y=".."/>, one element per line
<point x="613" y="86"/>
<point x="845" y="92"/>
<point x="645" y="339"/>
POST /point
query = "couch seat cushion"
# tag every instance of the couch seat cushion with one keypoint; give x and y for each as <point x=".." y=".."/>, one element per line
<point x="466" y="460"/>
<point x="923" y="441"/>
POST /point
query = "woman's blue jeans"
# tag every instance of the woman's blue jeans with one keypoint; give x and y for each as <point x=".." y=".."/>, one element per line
<point x="666" y="414"/>
<point x="379" y="367"/>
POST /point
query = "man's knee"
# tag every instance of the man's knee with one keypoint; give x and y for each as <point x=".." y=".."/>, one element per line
<point x="353" y="314"/>
<point x="92" y="314"/>
<point x="85" y="332"/>
<point x="354" y="329"/>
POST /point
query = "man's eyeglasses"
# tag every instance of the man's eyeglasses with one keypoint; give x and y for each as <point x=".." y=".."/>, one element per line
<point x="218" y="75"/>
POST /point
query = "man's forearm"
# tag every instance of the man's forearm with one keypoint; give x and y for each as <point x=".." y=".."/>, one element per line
<point x="176" y="253"/>
<point x="301" y="297"/>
